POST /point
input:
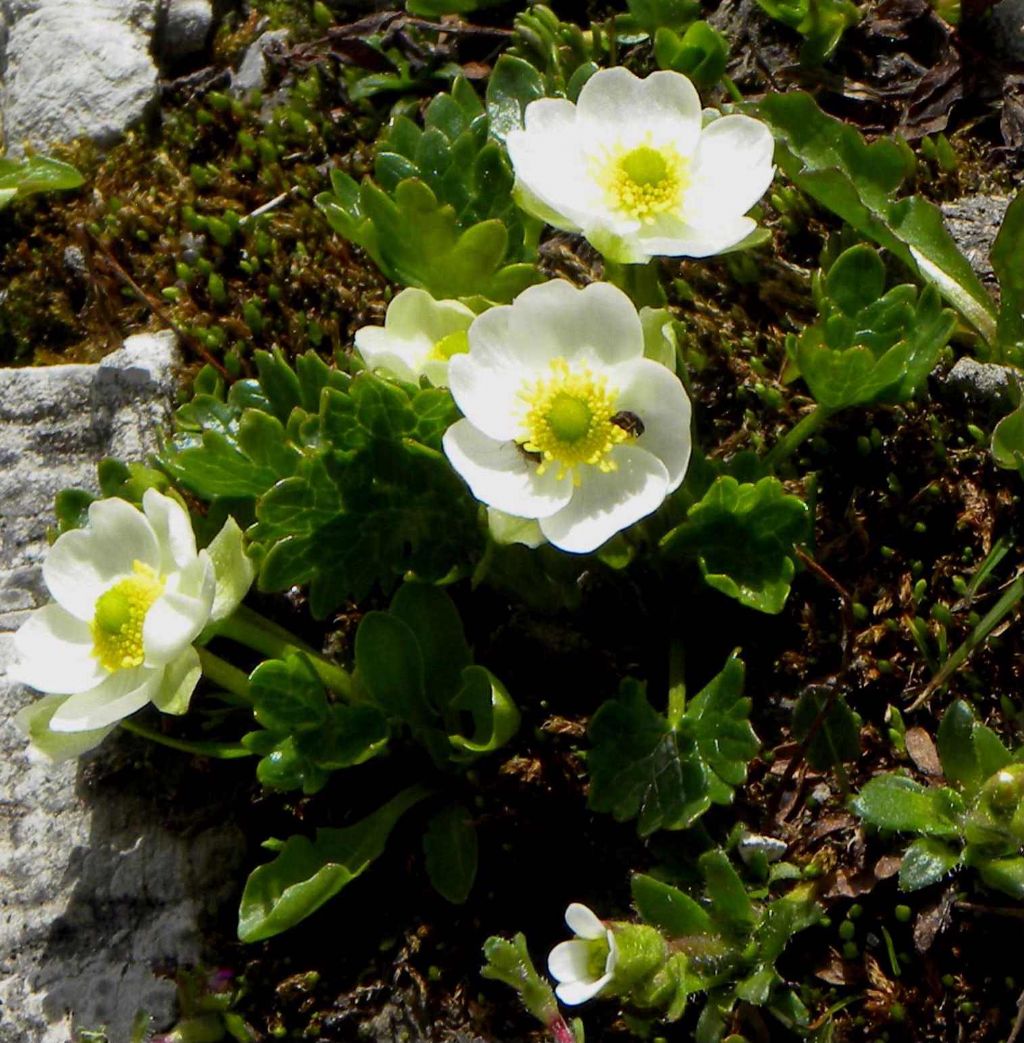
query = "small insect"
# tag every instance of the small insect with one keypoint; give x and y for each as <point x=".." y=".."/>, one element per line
<point x="531" y="456"/>
<point x="629" y="422"/>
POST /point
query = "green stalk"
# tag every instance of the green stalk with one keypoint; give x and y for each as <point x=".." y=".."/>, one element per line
<point x="676" y="684"/>
<point x="222" y="673"/>
<point x="249" y="628"/>
<point x="642" y="282"/>
<point x="788" y="444"/>
<point x="226" y="751"/>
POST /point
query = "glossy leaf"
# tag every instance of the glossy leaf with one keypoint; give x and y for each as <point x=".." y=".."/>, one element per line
<point x="1004" y="874"/>
<point x="898" y="803"/>
<point x="667" y="774"/>
<point x="305" y="873"/>
<point x="672" y="911"/>
<point x="512" y="85"/>
<point x="701" y="53"/>
<point x="955" y="743"/>
<point x="24" y="177"/>
<point x="495" y="717"/>
<point x="509" y="962"/>
<point x="1008" y="441"/>
<point x="1006" y="254"/>
<point x="450" y="847"/>
<point x="926" y="862"/>
<point x="743" y="536"/>
<point x="730" y="903"/>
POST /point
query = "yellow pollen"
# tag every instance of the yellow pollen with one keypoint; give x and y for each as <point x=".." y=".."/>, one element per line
<point x="456" y="343"/>
<point x="120" y="615"/>
<point x="568" y="420"/>
<point x="645" y="181"/>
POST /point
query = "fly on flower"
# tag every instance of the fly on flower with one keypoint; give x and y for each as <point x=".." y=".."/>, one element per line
<point x="131" y="595"/>
<point x="631" y="167"/>
<point x="566" y="421"/>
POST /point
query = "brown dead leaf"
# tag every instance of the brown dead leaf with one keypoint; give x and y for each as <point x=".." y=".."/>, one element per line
<point x="923" y="752"/>
<point x="930" y="922"/>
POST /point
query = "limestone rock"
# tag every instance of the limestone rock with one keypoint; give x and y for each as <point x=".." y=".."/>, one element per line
<point x="973" y="222"/>
<point x="75" y="68"/>
<point x="106" y="868"/>
<point x="254" y="68"/>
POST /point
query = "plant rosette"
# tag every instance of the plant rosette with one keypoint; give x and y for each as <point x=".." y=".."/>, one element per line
<point x="131" y="594"/>
<point x="565" y="420"/>
<point x="632" y="167"/>
<point x="605" y="958"/>
<point x="418" y="337"/>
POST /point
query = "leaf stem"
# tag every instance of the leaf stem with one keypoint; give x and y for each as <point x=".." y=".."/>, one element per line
<point x="249" y="628"/>
<point x="226" y="751"/>
<point x="676" y="684"/>
<point x="788" y="444"/>
<point x="222" y="673"/>
<point x="642" y="282"/>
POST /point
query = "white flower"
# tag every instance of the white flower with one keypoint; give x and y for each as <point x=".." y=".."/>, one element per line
<point x="584" y="966"/>
<point x="630" y="166"/>
<point x="565" y="420"/>
<point x="418" y="337"/>
<point x="131" y="595"/>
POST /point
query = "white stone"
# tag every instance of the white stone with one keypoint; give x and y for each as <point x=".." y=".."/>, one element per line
<point x="102" y="876"/>
<point x="76" y="68"/>
<point x="253" y="69"/>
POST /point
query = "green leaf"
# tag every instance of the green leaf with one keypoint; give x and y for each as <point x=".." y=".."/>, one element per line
<point x="730" y="903"/>
<point x="1007" y="251"/>
<point x="830" y="161"/>
<point x="450" y="847"/>
<point x="651" y="15"/>
<point x="640" y="767"/>
<point x="287" y="694"/>
<point x="1008" y="441"/>
<point x="955" y="743"/>
<point x="898" y="803"/>
<point x="837" y="735"/>
<point x="856" y="280"/>
<point x="926" y="862"/>
<point x="495" y="717"/>
<point x="701" y="53"/>
<point x="1004" y="874"/>
<point x="25" y="177"/>
<point x="821" y="22"/>
<point x="306" y="874"/>
<point x="433" y="619"/>
<point x="743" y="537"/>
<point x="509" y="962"/>
<point x="389" y="667"/>
<point x="717" y="719"/>
<point x="512" y="85"/>
<point x="669" y="772"/>
<point x="672" y="911"/>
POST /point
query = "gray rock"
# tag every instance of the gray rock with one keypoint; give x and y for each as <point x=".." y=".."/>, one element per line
<point x="986" y="387"/>
<point x="105" y="871"/>
<point x="184" y="27"/>
<point x="254" y="68"/>
<point x="973" y="221"/>
<point x="75" y="68"/>
<point x="1008" y="28"/>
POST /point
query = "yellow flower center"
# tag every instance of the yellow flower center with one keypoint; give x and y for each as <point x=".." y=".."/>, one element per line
<point x="645" y="181"/>
<point x="120" y="615"/>
<point x="569" y="420"/>
<point x="456" y="343"/>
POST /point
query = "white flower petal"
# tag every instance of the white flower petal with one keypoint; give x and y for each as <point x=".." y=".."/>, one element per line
<point x="692" y="240"/>
<point x="604" y="503"/>
<point x="414" y="312"/>
<point x="573" y="993"/>
<point x="569" y="961"/>
<point x="383" y="349"/>
<point x="488" y="395"/>
<point x="119" y="696"/>
<point x="583" y="922"/>
<point x="501" y="476"/>
<point x="598" y="323"/>
<point x="613" y="955"/>
<point x="732" y="169"/>
<point x="33" y="721"/>
<point x="232" y="568"/>
<point x="178" y="683"/>
<point x="55" y="653"/>
<point x="616" y="105"/>
<point x="173" y="529"/>
<point x="173" y="622"/>
<point x="82" y="564"/>
<point x="657" y="397"/>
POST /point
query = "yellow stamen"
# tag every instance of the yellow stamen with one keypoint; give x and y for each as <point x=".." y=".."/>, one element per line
<point x="645" y="181"/>
<point x="456" y="343"/>
<point x="120" y="615"/>
<point x="568" y="420"/>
